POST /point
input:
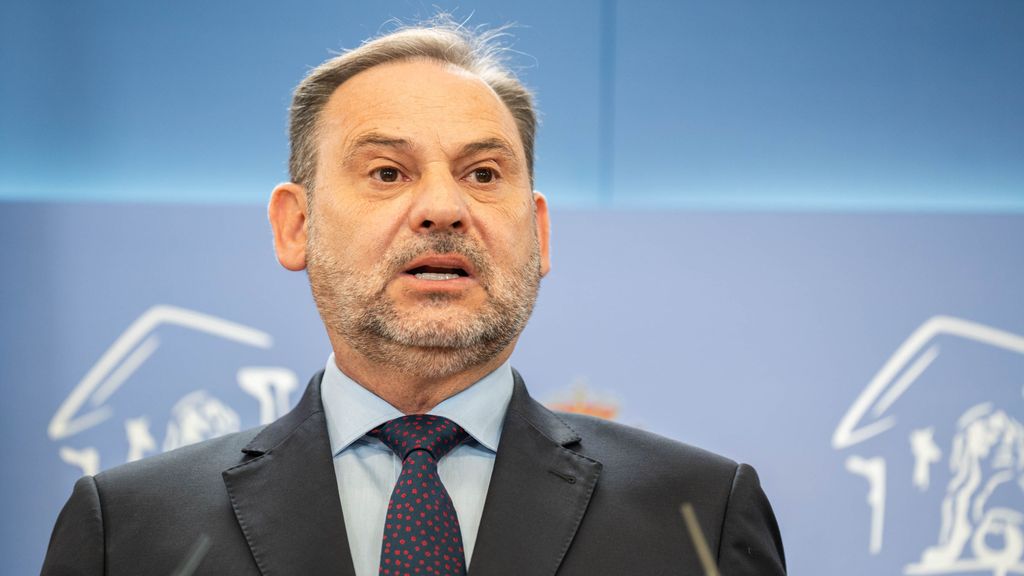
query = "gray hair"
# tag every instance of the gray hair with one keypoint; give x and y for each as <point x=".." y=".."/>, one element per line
<point x="440" y="39"/>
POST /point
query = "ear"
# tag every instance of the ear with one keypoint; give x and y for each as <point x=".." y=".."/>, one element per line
<point x="287" y="215"/>
<point x="543" y="221"/>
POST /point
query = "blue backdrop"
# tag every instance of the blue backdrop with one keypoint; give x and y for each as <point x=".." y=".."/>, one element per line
<point x="790" y="233"/>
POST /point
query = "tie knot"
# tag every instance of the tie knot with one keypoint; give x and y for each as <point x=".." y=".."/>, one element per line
<point x="435" y="434"/>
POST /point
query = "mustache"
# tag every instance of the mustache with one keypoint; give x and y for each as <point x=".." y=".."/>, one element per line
<point x="439" y="243"/>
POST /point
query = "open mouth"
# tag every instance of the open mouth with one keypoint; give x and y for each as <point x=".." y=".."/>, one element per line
<point x="437" y="273"/>
<point x="440" y="267"/>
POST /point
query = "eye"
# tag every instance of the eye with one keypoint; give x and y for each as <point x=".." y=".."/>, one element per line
<point x="483" y="175"/>
<point x="387" y="174"/>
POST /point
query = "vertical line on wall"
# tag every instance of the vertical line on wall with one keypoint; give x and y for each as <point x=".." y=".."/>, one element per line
<point x="606" y="103"/>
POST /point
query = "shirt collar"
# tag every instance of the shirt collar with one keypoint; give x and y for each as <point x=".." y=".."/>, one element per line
<point x="352" y="410"/>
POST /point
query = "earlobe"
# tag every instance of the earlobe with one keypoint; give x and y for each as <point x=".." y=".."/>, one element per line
<point x="287" y="215"/>
<point x="543" y="221"/>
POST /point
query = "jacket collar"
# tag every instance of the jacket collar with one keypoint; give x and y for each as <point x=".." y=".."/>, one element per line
<point x="539" y="492"/>
<point x="285" y="493"/>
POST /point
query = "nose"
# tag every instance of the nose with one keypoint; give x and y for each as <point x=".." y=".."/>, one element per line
<point x="439" y="205"/>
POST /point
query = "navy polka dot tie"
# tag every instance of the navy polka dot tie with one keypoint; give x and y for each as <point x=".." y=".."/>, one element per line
<point x="421" y="533"/>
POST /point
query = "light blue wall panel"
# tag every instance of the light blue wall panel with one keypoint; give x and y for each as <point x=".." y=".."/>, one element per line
<point x="187" y="101"/>
<point x="916" y="104"/>
<point x="734" y="104"/>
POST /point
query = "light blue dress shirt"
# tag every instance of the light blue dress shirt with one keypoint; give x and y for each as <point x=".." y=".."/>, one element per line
<point x="367" y="469"/>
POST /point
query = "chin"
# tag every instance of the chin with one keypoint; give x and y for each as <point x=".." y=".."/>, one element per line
<point x="437" y="320"/>
<point x="433" y="362"/>
<point x="438" y="335"/>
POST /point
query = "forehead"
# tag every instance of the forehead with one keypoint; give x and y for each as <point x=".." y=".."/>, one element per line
<point x="418" y="99"/>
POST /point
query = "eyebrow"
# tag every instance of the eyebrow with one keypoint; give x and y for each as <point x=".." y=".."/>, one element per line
<point x="376" y="140"/>
<point x="489" y="145"/>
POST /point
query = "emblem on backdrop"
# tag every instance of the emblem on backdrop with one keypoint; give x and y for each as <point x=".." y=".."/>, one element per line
<point x="173" y="377"/>
<point x="582" y="400"/>
<point x="937" y="435"/>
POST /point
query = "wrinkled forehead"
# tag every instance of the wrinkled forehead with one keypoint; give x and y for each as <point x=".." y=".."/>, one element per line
<point x="418" y="97"/>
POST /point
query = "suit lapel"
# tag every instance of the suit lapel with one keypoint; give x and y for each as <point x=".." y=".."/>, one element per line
<point x="285" y="496"/>
<point x="538" y="494"/>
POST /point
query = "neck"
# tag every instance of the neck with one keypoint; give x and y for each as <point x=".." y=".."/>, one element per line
<point x="410" y="392"/>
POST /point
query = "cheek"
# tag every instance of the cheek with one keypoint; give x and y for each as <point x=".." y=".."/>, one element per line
<point x="510" y="236"/>
<point x="505" y="217"/>
<point x="363" y="228"/>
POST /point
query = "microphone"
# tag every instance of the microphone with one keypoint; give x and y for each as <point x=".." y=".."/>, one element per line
<point x="697" y="537"/>
<point x="194" y="557"/>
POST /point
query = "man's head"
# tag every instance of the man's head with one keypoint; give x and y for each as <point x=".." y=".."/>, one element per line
<point x="412" y="204"/>
<point x="444" y="41"/>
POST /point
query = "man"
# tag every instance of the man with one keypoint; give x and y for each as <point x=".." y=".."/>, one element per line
<point x="418" y="449"/>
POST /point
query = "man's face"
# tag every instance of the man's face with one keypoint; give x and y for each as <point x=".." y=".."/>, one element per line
<point x="425" y="241"/>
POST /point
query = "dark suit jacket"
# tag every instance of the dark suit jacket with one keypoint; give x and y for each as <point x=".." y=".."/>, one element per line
<point x="569" y="495"/>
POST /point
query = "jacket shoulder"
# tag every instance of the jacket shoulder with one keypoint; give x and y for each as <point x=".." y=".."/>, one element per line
<point x="617" y="443"/>
<point x="152" y="512"/>
<point x="216" y="453"/>
<point x="647" y="469"/>
<point x="186" y="474"/>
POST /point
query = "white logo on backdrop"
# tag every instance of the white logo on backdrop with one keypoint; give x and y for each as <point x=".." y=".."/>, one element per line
<point x="197" y="416"/>
<point x="985" y="459"/>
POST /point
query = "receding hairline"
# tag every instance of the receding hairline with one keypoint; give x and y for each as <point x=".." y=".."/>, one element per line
<point x="454" y="68"/>
<point x="509" y="147"/>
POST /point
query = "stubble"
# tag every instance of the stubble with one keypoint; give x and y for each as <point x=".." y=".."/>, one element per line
<point x="355" y="306"/>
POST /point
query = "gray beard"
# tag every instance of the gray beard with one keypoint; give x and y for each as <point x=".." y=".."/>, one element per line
<point x="354" y="306"/>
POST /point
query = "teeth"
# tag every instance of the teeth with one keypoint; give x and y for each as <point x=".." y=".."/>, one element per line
<point x="436" y="276"/>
